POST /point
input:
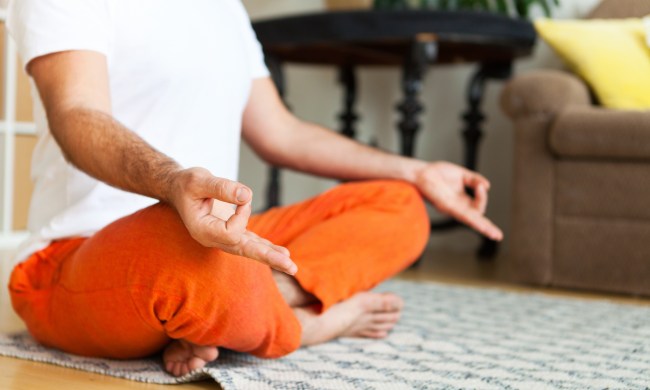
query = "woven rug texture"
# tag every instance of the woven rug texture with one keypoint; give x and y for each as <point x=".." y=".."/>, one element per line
<point x="448" y="338"/>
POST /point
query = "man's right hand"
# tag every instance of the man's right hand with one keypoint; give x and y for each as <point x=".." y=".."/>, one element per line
<point x="193" y="194"/>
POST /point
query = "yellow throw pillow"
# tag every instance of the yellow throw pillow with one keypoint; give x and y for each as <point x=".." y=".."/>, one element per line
<point x="611" y="55"/>
<point x="646" y="23"/>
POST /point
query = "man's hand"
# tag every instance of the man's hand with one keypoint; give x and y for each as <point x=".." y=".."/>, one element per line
<point x="194" y="192"/>
<point x="444" y="185"/>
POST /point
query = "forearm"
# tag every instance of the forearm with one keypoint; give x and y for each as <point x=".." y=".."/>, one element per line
<point x="100" y="146"/>
<point x="313" y="149"/>
<point x="281" y="139"/>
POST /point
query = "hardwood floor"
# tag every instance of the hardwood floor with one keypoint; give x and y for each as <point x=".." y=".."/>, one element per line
<point x="456" y="269"/>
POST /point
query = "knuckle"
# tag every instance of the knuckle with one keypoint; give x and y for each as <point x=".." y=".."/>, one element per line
<point x="195" y="175"/>
<point x="217" y="186"/>
<point x="252" y="250"/>
<point x="224" y="189"/>
<point x="193" y="180"/>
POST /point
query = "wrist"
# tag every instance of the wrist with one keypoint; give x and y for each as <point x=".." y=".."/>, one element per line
<point x="174" y="185"/>
<point x="411" y="169"/>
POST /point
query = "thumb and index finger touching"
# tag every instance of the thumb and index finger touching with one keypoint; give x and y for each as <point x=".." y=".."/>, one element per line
<point x="238" y="194"/>
<point x="228" y="191"/>
<point x="473" y="214"/>
<point x="476" y="220"/>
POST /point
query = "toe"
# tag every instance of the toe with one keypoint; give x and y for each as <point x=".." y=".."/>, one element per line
<point x="208" y="354"/>
<point x="195" y="363"/>
<point x="392" y="302"/>
<point x="176" y="370"/>
<point x="382" y="326"/>
<point x="185" y="369"/>
<point x="380" y="318"/>
<point x="387" y="302"/>
<point x="169" y="367"/>
<point x="375" y="334"/>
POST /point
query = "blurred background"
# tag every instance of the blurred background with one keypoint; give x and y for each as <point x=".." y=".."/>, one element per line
<point x="315" y="95"/>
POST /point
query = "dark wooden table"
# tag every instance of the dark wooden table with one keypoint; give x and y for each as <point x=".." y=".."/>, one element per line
<point x="412" y="40"/>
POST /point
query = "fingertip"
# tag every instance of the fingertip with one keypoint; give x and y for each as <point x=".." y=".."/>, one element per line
<point x="281" y="262"/>
<point x="481" y="181"/>
<point x="243" y="194"/>
<point x="481" y="191"/>
<point x="496" y="235"/>
<point x="289" y="267"/>
<point x="243" y="211"/>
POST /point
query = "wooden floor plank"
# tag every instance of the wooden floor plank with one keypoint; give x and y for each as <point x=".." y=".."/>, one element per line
<point x="17" y="374"/>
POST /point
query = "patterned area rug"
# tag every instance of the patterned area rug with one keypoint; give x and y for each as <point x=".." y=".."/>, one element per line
<point x="448" y="338"/>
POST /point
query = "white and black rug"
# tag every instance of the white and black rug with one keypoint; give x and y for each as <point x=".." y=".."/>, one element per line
<point x="448" y="338"/>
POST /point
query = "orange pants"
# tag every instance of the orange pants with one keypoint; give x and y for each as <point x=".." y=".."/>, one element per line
<point x="141" y="281"/>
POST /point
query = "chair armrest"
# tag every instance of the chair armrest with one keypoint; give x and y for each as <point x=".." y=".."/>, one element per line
<point x="533" y="101"/>
<point x="595" y="132"/>
<point x="543" y="93"/>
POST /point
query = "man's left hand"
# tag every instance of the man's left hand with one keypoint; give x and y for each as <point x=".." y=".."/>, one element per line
<point x="444" y="185"/>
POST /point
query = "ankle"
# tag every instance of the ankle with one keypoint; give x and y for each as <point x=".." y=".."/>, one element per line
<point x="293" y="294"/>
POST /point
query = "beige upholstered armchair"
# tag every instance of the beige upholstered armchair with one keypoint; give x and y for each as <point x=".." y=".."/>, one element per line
<point x="581" y="212"/>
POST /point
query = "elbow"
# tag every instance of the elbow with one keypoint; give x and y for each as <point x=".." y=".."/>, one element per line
<point x="58" y="122"/>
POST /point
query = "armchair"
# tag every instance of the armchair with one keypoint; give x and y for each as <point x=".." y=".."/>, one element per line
<point x="581" y="201"/>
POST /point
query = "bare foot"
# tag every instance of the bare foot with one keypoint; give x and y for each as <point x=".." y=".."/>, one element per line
<point x="364" y="315"/>
<point x="181" y="357"/>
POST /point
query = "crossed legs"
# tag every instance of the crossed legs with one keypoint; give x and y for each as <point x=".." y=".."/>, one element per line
<point x="365" y="314"/>
<point x="142" y="281"/>
<point x="380" y="226"/>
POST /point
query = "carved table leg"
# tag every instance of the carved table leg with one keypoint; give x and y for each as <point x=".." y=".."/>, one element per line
<point x="473" y="132"/>
<point x="423" y="52"/>
<point x="348" y="117"/>
<point x="273" y="188"/>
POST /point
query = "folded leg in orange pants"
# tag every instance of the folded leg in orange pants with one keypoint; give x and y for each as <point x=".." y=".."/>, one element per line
<point x="142" y="281"/>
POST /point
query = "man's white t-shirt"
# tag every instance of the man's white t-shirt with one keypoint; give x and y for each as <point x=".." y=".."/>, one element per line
<point x="180" y="76"/>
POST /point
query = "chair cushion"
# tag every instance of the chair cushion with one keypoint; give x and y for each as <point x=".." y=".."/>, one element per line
<point x="611" y="55"/>
<point x="602" y="189"/>
<point x="599" y="133"/>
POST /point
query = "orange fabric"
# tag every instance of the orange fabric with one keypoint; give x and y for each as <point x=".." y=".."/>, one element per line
<point x="142" y="280"/>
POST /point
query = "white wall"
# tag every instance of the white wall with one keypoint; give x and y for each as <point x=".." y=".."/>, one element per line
<point x="314" y="94"/>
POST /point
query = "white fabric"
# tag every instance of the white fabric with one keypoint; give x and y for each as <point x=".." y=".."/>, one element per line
<point x="180" y="76"/>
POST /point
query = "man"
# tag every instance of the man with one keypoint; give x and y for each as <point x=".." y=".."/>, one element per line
<point x="135" y="245"/>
